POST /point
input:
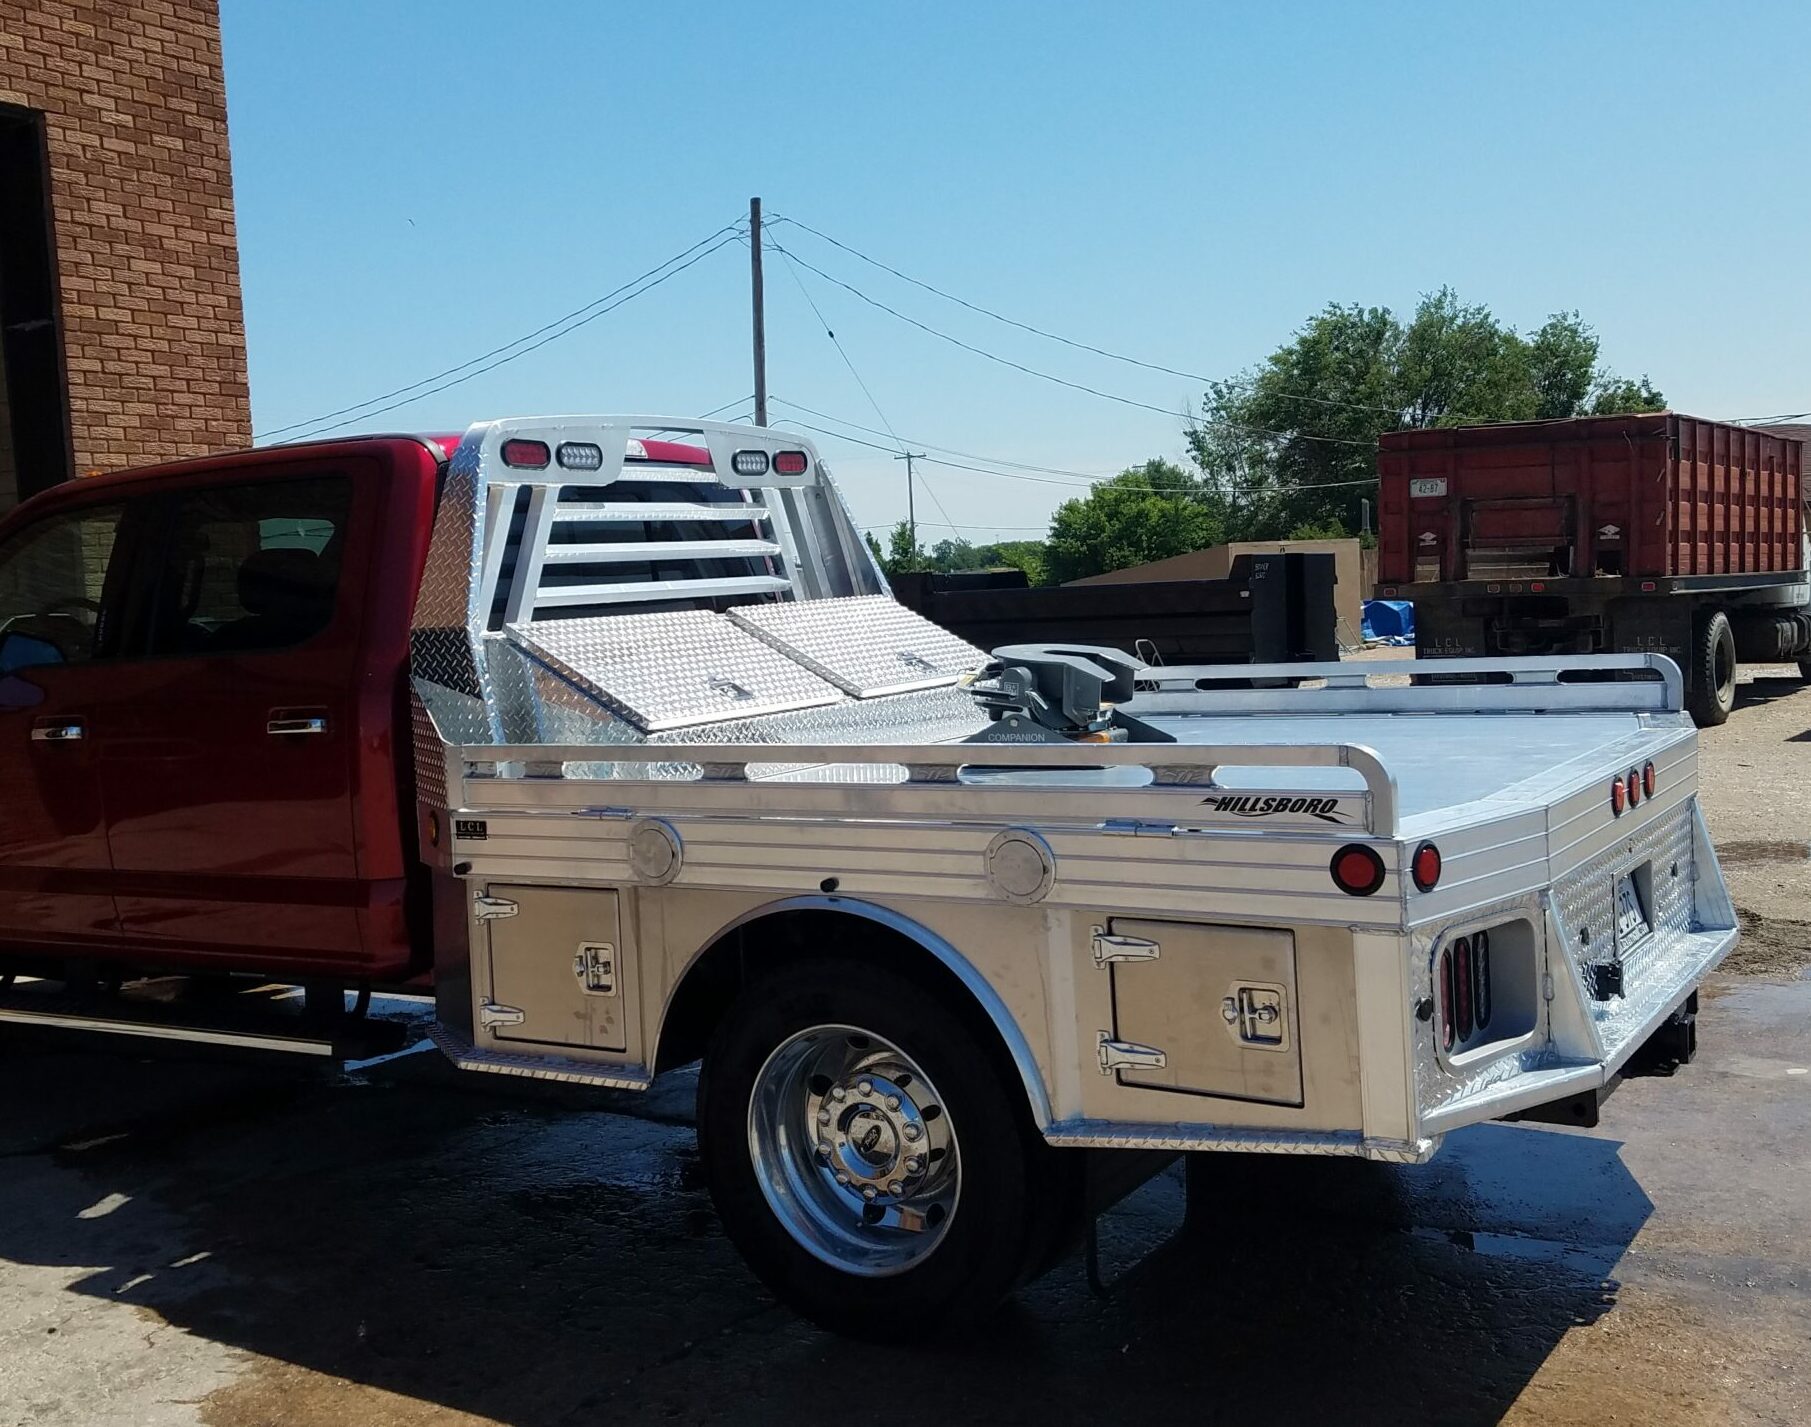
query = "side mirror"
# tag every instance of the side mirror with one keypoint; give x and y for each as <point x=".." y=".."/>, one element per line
<point x="26" y="651"/>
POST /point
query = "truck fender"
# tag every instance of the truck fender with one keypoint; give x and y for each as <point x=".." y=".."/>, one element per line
<point x="953" y="961"/>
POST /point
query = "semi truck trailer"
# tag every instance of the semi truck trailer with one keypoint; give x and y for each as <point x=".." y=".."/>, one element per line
<point x="1653" y="533"/>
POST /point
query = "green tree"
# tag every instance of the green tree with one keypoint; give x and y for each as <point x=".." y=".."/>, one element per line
<point x="901" y="553"/>
<point x="1148" y="512"/>
<point x="1292" y="444"/>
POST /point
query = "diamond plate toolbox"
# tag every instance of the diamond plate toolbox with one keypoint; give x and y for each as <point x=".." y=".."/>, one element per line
<point x="866" y="645"/>
<point x="672" y="670"/>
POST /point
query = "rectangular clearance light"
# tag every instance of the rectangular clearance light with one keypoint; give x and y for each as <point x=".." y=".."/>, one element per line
<point x="581" y="455"/>
<point x="533" y="455"/>
<point x="790" y="463"/>
<point x="750" y="463"/>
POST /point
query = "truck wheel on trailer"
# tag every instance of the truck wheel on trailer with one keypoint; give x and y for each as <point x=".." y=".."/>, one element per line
<point x="1711" y="679"/>
<point x="870" y="1158"/>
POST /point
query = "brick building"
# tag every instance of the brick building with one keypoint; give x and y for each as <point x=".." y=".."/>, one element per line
<point x="121" y="334"/>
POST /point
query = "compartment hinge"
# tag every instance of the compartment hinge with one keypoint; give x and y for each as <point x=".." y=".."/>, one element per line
<point x="489" y="909"/>
<point x="1128" y="1055"/>
<point x="490" y="1015"/>
<point x="1109" y="947"/>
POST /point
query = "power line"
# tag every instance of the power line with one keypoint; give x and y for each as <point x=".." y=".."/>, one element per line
<point x="1087" y="476"/>
<point x="739" y="401"/>
<point x="1057" y="336"/>
<point x="1037" y="480"/>
<point x="731" y="229"/>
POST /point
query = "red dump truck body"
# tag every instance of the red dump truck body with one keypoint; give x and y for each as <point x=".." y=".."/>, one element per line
<point x="1657" y="495"/>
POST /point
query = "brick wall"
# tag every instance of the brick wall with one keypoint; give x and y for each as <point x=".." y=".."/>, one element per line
<point x="142" y="205"/>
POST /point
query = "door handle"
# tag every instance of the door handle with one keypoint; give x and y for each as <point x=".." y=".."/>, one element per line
<point x="69" y="731"/>
<point x="286" y="727"/>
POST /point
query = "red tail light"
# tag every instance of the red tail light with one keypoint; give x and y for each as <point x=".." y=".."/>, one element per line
<point x="789" y="463"/>
<point x="1462" y="986"/>
<point x="1480" y="979"/>
<point x="1425" y="867"/>
<point x="1619" y="796"/>
<point x="1634" y="784"/>
<point x="1648" y="780"/>
<point x="1447" y="1031"/>
<point x="532" y="455"/>
<point x="1357" y="870"/>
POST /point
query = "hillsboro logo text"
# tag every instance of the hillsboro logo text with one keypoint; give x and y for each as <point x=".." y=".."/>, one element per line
<point x="1326" y="809"/>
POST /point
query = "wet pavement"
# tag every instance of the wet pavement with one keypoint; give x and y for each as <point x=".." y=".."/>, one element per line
<point x="197" y="1238"/>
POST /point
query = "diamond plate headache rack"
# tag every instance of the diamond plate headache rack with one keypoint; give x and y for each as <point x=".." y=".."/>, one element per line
<point x="1179" y="769"/>
<point x="867" y="646"/>
<point x="671" y="670"/>
<point x="1559" y="683"/>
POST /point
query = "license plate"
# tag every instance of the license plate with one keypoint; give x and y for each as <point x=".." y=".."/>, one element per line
<point x="1428" y="486"/>
<point x="1632" y="924"/>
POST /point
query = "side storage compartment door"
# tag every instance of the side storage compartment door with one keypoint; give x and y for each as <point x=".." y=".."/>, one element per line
<point x="1204" y="1010"/>
<point x="556" y="967"/>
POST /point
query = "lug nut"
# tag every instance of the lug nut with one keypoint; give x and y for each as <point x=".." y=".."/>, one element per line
<point x="838" y="1093"/>
<point x="892" y="1102"/>
<point x="866" y="1087"/>
<point x="869" y="1192"/>
<point x="912" y="1130"/>
<point x="842" y="1179"/>
<point x="896" y="1189"/>
<point x="914" y="1164"/>
<point x="823" y="1148"/>
<point x="823" y="1117"/>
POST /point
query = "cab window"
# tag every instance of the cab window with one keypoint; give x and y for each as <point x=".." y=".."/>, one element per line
<point x="53" y="579"/>
<point x="250" y="567"/>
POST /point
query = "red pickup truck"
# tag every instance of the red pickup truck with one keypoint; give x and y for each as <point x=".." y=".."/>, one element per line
<point x="203" y="676"/>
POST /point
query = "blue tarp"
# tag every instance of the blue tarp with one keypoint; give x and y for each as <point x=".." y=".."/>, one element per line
<point x="1389" y="622"/>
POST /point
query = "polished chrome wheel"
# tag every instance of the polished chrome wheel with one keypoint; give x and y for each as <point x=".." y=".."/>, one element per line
<point x="853" y="1150"/>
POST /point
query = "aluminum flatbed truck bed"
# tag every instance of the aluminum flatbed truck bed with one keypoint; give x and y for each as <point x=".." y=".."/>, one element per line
<point x="934" y="920"/>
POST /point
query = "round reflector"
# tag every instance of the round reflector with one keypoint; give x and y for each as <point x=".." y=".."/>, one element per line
<point x="1426" y="867"/>
<point x="1634" y="785"/>
<point x="530" y="454"/>
<point x="1357" y="870"/>
<point x="1648" y="780"/>
<point x="750" y="463"/>
<point x="1618" y="797"/>
<point x="790" y="463"/>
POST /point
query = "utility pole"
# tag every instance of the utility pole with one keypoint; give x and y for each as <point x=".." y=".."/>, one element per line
<point x="760" y="310"/>
<point x="911" y="498"/>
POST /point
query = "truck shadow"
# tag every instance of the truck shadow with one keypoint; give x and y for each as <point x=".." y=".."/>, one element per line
<point x="532" y="1258"/>
<point x="1767" y="689"/>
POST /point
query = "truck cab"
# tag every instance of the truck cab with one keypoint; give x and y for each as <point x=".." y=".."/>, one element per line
<point x="202" y="673"/>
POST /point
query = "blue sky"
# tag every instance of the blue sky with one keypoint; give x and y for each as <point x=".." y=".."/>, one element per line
<point x="419" y="183"/>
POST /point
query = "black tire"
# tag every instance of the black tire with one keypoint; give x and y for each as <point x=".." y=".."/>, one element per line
<point x="1710" y="691"/>
<point x="1804" y="670"/>
<point x="1017" y="1195"/>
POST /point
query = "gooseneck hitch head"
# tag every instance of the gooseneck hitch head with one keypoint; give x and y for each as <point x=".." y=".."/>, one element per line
<point x="1059" y="693"/>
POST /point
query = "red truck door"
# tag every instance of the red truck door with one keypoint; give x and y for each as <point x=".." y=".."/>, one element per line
<point x="62" y="578"/>
<point x="227" y="772"/>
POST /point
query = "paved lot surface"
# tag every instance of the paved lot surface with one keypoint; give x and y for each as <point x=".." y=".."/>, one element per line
<point x="188" y="1240"/>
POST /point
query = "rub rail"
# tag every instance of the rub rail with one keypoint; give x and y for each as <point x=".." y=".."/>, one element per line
<point x="1536" y="685"/>
<point x="1186" y="768"/>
